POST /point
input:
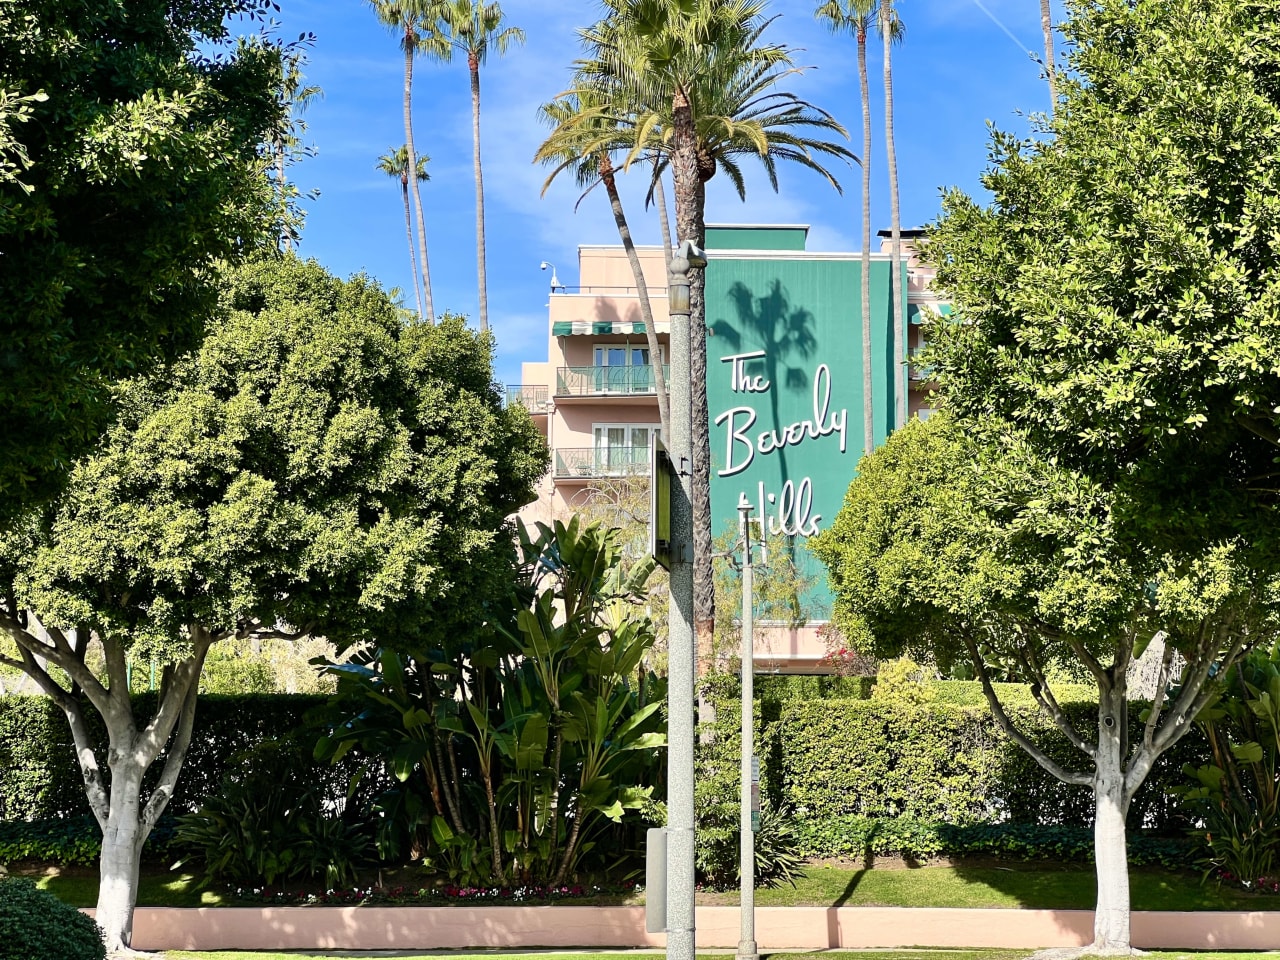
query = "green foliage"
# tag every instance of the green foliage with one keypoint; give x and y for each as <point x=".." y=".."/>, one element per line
<point x="1117" y="295"/>
<point x="913" y="839"/>
<point x="826" y="760"/>
<point x="516" y="740"/>
<point x="34" y="923"/>
<point x="314" y="463"/>
<point x="130" y="171"/>
<point x="40" y="780"/>
<point x="267" y="825"/>
<point x="70" y="841"/>
<point x="1237" y="794"/>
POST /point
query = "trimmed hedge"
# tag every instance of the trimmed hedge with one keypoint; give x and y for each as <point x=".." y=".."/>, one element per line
<point x="866" y="838"/>
<point x="40" y="778"/>
<point x="942" y="761"/>
<point x="34" y="923"/>
<point x="70" y="840"/>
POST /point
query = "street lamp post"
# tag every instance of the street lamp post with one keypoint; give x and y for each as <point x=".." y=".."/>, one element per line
<point x="749" y="812"/>
<point x="680" y="848"/>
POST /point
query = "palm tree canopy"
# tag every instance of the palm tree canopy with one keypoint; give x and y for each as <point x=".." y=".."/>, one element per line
<point x="729" y="81"/>
<point x="856" y="17"/>
<point x="471" y="27"/>
<point x="395" y="163"/>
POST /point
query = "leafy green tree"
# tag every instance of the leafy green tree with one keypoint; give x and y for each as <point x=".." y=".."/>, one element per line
<point x="131" y="166"/>
<point x="1119" y="292"/>
<point x="959" y="544"/>
<point x="473" y="28"/>
<point x="315" y="469"/>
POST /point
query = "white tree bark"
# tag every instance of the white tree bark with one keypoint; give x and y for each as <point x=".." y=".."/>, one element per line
<point x="116" y="801"/>
<point x="1111" y="805"/>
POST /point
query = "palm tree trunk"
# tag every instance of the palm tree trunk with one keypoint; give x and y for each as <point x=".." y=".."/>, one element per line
<point x="642" y="289"/>
<point x="660" y="198"/>
<point x="1046" y="25"/>
<point x="895" y="233"/>
<point x="408" y="232"/>
<point x="704" y="584"/>
<point x="413" y="169"/>
<point x="868" y="415"/>
<point x="690" y="199"/>
<point x="473" y="62"/>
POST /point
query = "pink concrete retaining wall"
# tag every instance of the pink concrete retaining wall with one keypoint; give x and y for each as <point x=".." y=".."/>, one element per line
<point x="810" y="928"/>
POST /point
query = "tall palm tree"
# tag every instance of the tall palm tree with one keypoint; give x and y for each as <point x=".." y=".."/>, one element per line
<point x="395" y="163"/>
<point x="406" y="19"/>
<point x="588" y="129"/>
<point x="1046" y="25"/>
<point x="473" y="28"/>
<point x="859" y="18"/>
<point x="700" y="80"/>
<point x="891" y="32"/>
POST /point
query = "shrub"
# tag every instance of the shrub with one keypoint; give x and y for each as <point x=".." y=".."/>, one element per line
<point x="272" y="825"/>
<point x="942" y="760"/>
<point x="40" y="779"/>
<point x="1237" y="794"/>
<point x="69" y="840"/>
<point x="911" y="839"/>
<point x="34" y="923"/>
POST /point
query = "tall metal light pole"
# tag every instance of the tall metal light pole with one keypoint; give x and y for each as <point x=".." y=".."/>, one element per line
<point x="680" y="850"/>
<point x="748" y="821"/>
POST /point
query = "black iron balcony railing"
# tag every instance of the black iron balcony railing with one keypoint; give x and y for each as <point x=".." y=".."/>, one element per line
<point x="533" y="398"/>
<point x="606" y="381"/>
<point x="588" y="462"/>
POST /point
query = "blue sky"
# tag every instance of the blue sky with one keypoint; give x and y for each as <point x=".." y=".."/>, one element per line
<point x="956" y="70"/>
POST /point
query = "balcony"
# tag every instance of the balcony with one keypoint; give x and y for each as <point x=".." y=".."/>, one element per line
<point x="586" y="463"/>
<point x="607" y="381"/>
<point x="533" y="398"/>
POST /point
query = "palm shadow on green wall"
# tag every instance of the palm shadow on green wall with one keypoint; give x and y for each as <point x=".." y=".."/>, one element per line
<point x="785" y="334"/>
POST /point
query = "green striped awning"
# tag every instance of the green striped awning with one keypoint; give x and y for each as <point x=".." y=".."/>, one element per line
<point x="578" y="328"/>
<point x="920" y="312"/>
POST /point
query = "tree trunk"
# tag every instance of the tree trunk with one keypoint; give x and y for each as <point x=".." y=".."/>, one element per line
<point x="704" y="584"/>
<point x="1046" y="25"/>
<point x="121" y="852"/>
<point x="413" y="170"/>
<point x="895" y="233"/>
<point x="1111" y="805"/>
<point x="690" y="197"/>
<point x="473" y="62"/>
<point x="642" y="289"/>
<point x="868" y="415"/>
<point x="660" y="198"/>
<point x="408" y="232"/>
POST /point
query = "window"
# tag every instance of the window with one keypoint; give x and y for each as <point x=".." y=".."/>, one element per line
<point x="623" y="368"/>
<point x="622" y="448"/>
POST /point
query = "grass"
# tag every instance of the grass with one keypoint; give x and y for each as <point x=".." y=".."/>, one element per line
<point x="1017" y="885"/>
<point x="622" y="955"/>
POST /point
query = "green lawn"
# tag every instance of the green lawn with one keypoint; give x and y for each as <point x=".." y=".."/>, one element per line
<point x="647" y="954"/>
<point x="1019" y="885"/>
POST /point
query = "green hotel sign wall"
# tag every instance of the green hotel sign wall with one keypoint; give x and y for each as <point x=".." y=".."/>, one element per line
<point x="785" y="385"/>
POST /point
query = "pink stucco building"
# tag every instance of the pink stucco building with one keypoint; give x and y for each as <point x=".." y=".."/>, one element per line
<point x="594" y="396"/>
